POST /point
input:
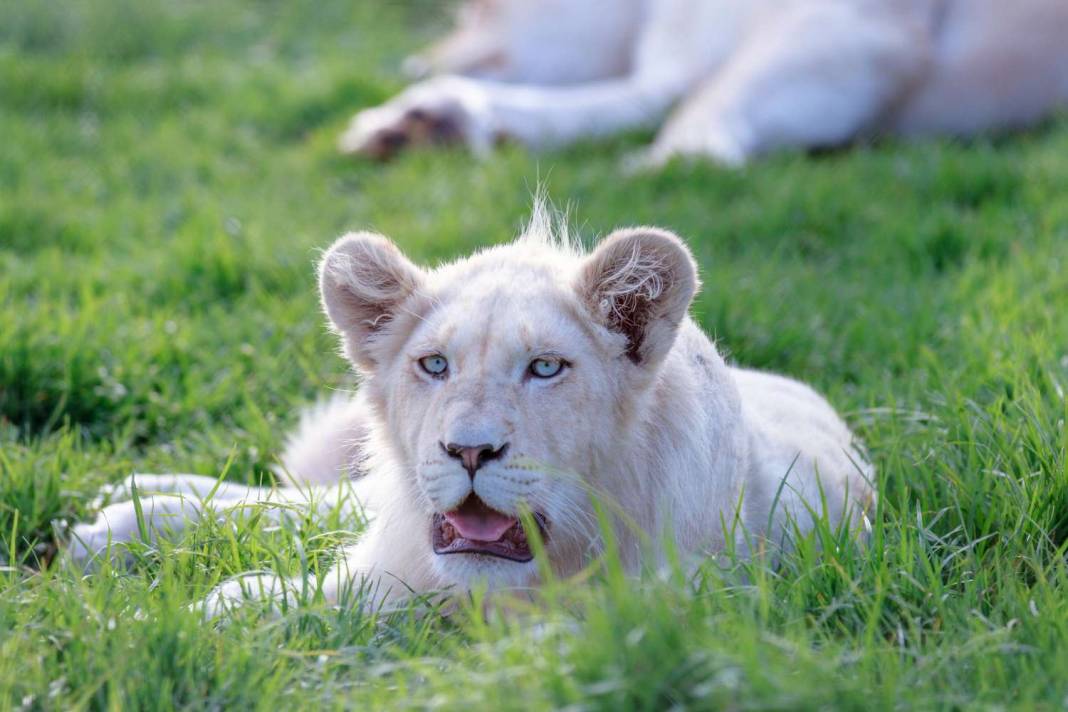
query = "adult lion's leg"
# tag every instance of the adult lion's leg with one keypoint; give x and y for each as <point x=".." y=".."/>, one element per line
<point x="817" y="76"/>
<point x="452" y="109"/>
<point x="534" y="41"/>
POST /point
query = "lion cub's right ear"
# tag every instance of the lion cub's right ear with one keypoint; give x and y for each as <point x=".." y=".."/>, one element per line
<point x="364" y="279"/>
<point x="639" y="282"/>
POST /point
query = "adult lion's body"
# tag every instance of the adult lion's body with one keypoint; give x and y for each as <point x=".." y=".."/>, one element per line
<point x="728" y="79"/>
<point x="533" y="378"/>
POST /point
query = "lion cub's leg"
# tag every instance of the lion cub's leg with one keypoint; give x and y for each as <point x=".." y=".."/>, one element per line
<point x="385" y="567"/>
<point x="197" y="486"/>
<point x="121" y="523"/>
<point x="166" y="505"/>
<point x="816" y="76"/>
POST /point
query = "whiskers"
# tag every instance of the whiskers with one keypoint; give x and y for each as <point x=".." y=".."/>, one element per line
<point x="565" y="496"/>
<point x="586" y="508"/>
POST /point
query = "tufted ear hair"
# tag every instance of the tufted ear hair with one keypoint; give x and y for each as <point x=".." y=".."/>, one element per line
<point x="364" y="280"/>
<point x="639" y="282"/>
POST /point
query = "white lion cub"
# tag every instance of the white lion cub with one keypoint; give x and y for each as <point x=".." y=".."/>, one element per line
<point x="531" y="377"/>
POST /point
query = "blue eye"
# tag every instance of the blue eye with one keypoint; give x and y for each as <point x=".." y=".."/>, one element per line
<point x="435" y="364"/>
<point x="546" y="367"/>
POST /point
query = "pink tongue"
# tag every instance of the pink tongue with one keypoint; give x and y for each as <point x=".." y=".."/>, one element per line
<point x="477" y="522"/>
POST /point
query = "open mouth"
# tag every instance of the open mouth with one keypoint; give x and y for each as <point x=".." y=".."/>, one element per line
<point x="475" y="528"/>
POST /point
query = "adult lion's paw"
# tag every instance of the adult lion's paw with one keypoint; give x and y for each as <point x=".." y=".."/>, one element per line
<point x="440" y="111"/>
<point x="685" y="140"/>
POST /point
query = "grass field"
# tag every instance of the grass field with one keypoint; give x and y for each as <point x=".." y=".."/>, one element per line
<point x="167" y="177"/>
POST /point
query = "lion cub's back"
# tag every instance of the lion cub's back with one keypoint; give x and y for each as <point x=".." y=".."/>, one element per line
<point x="795" y="433"/>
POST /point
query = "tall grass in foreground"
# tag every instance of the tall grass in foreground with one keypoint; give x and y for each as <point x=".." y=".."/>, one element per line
<point x="957" y="605"/>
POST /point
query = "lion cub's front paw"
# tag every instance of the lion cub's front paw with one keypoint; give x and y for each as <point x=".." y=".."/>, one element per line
<point x="266" y="590"/>
<point x="441" y="111"/>
<point x="90" y="541"/>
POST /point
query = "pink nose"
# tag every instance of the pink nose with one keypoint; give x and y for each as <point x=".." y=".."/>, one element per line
<point x="473" y="457"/>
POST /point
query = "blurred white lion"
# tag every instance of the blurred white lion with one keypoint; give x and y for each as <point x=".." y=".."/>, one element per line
<point x="727" y="79"/>
<point x="502" y="396"/>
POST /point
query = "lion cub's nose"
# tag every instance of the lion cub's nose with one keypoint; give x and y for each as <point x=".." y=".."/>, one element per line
<point x="473" y="457"/>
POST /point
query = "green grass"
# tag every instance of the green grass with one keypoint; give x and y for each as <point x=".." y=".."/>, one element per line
<point x="167" y="177"/>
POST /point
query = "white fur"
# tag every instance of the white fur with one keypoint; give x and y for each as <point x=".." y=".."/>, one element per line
<point x="648" y="420"/>
<point x="744" y="76"/>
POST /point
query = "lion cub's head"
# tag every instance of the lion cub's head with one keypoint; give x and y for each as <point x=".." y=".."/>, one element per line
<point x="506" y="382"/>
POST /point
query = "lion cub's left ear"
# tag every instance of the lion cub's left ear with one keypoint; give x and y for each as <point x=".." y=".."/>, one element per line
<point x="365" y="280"/>
<point x="639" y="282"/>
